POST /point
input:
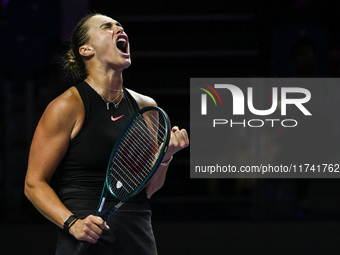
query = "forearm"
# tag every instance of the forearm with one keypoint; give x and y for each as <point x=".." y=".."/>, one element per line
<point x="158" y="179"/>
<point x="179" y="140"/>
<point x="43" y="197"/>
<point x="48" y="204"/>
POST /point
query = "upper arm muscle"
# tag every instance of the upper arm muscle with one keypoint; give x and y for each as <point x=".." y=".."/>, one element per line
<point x="59" y="123"/>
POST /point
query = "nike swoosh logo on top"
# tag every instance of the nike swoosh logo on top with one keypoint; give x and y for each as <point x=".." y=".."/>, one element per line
<point x="117" y="118"/>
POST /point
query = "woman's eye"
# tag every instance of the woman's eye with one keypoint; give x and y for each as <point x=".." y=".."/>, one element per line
<point x="108" y="25"/>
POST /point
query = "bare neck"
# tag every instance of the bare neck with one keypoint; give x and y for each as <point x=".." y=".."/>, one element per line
<point x="108" y="86"/>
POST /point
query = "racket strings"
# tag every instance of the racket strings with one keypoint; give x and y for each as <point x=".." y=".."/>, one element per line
<point x="130" y="172"/>
<point x="143" y="139"/>
<point x="157" y="124"/>
<point x="113" y="177"/>
<point x="150" y="149"/>
<point x="146" y="154"/>
<point x="137" y="174"/>
<point x="152" y="139"/>
<point x="137" y="154"/>
<point x="130" y="167"/>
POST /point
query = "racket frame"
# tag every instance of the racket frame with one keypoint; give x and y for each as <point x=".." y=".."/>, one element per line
<point x="162" y="151"/>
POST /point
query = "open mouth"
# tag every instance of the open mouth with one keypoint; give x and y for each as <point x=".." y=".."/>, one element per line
<point x="122" y="43"/>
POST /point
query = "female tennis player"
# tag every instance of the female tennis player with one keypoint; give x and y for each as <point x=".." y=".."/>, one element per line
<point x="73" y="142"/>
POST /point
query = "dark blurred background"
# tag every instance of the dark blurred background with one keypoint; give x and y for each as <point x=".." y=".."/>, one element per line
<point x="170" y="42"/>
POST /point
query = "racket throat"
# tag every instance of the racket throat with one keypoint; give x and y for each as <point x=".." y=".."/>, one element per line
<point x="112" y="210"/>
<point x="119" y="204"/>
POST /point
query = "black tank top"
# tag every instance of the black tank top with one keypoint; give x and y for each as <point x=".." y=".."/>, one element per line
<point x="81" y="174"/>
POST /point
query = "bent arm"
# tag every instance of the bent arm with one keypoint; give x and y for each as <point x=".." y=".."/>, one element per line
<point x="179" y="140"/>
<point x="60" y="123"/>
<point x="49" y="145"/>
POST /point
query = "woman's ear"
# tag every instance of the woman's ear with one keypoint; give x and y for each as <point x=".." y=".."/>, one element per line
<point x="86" y="51"/>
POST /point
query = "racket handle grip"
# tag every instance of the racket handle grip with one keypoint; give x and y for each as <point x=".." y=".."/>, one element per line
<point x="82" y="247"/>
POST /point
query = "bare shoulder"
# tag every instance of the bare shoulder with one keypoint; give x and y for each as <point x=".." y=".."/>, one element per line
<point x="65" y="112"/>
<point x="58" y="125"/>
<point x="66" y="104"/>
<point x="142" y="100"/>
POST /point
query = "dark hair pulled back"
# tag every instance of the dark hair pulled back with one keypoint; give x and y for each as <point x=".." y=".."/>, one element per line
<point x="73" y="62"/>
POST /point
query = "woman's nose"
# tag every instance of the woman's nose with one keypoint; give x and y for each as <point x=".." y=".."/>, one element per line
<point x="120" y="30"/>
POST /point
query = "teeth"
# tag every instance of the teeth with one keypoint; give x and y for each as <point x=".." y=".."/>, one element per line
<point x="121" y="43"/>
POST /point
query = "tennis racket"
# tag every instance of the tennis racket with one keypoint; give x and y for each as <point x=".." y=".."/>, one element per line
<point x="136" y="156"/>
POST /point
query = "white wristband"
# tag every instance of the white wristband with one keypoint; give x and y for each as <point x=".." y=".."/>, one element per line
<point x="166" y="163"/>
